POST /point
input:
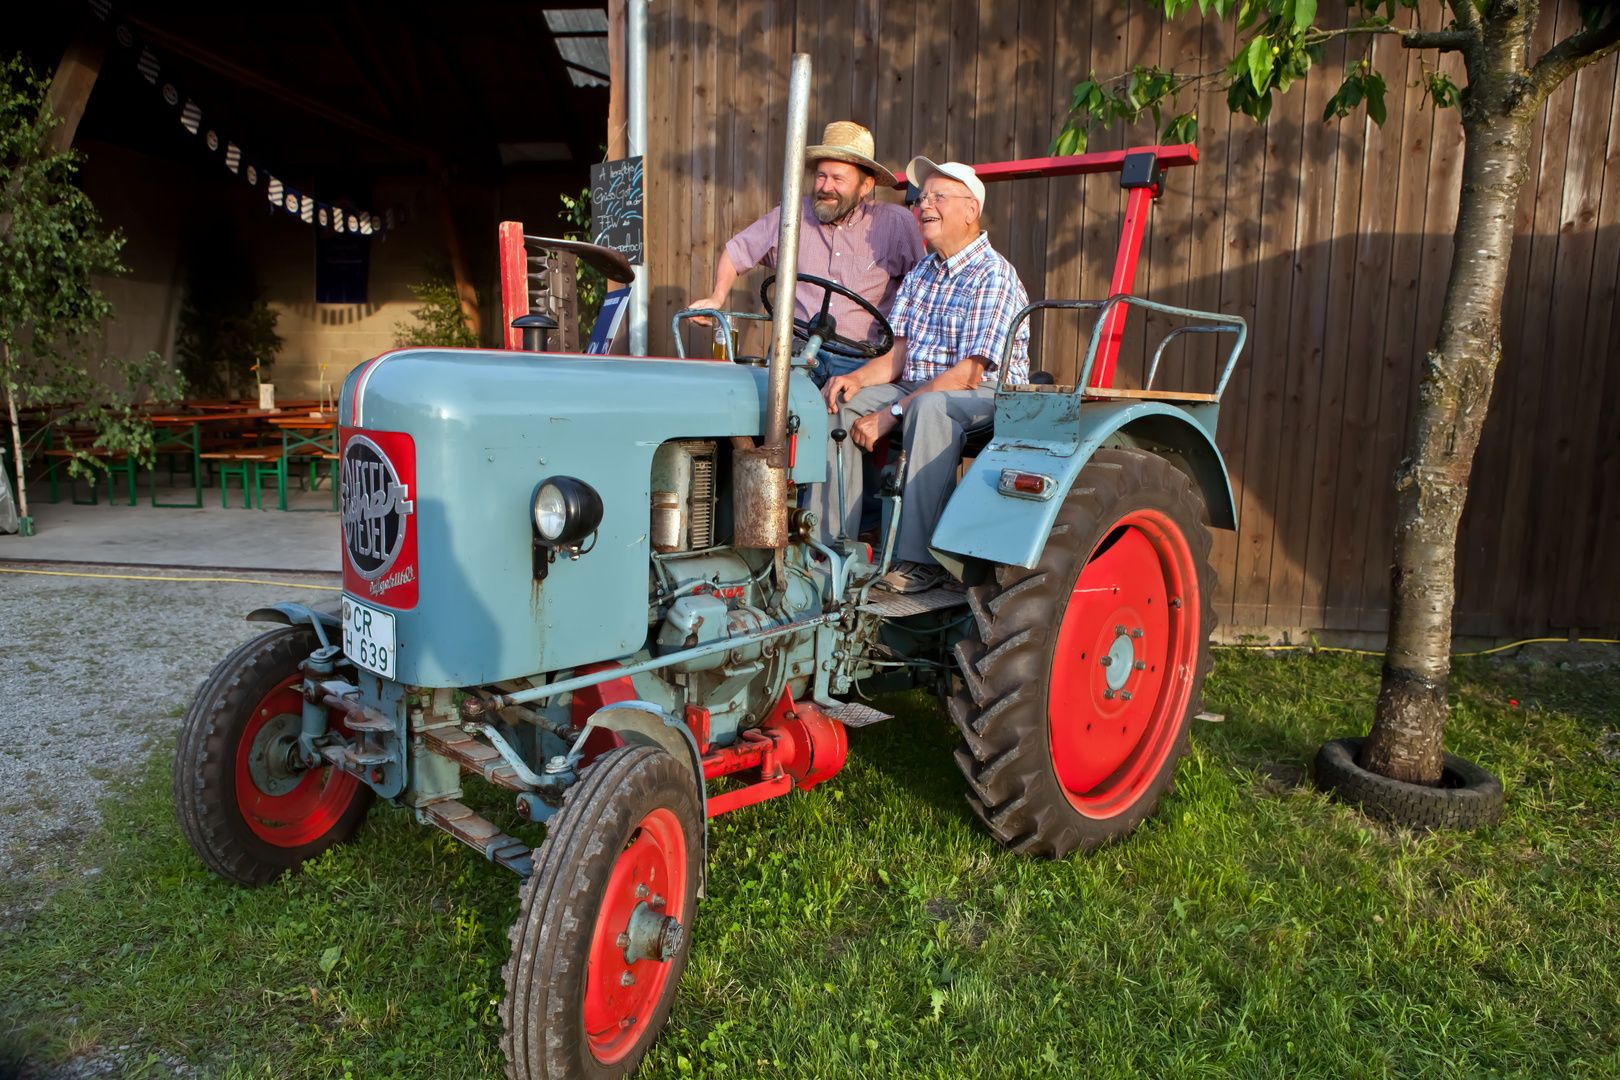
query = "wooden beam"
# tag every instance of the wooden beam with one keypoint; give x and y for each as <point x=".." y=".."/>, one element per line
<point x="618" y="125"/>
<point x="252" y="79"/>
<point x="458" y="263"/>
<point x="70" y="87"/>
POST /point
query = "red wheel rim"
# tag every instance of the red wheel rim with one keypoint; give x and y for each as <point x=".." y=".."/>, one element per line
<point x="308" y="811"/>
<point x="1134" y="605"/>
<point x="615" y="1014"/>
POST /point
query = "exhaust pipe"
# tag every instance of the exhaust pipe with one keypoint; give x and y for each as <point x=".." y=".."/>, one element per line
<point x="760" y="485"/>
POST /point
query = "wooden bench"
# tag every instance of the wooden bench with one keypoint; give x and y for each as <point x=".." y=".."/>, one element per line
<point x="250" y="464"/>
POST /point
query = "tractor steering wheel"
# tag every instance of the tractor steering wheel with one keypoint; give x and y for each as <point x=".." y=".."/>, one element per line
<point x="825" y="325"/>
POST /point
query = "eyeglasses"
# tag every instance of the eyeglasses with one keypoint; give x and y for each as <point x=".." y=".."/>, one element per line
<point x="933" y="197"/>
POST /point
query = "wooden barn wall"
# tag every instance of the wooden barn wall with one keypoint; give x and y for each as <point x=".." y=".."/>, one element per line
<point x="1333" y="240"/>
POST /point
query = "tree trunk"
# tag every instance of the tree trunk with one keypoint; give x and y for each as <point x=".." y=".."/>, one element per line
<point x="1432" y="480"/>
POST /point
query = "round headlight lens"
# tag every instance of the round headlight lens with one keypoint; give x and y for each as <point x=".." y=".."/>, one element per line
<point x="550" y="511"/>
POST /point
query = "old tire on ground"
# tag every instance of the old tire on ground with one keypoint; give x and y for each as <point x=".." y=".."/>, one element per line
<point x="1468" y="797"/>
<point x="1081" y="676"/>
<point x="247" y="813"/>
<point x="626" y="846"/>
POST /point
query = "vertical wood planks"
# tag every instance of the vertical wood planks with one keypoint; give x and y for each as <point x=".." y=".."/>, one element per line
<point x="1333" y="240"/>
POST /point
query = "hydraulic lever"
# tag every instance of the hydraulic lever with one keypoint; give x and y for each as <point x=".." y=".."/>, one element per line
<point x="838" y="436"/>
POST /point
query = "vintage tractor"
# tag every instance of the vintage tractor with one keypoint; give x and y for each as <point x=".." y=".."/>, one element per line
<point x="585" y="580"/>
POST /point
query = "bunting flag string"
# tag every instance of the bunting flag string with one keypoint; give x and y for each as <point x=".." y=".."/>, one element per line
<point x="305" y="208"/>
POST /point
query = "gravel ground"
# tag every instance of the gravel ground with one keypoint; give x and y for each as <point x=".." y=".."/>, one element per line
<point x="94" y="672"/>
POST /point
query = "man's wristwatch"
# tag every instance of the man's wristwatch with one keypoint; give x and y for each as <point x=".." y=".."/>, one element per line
<point x="896" y="411"/>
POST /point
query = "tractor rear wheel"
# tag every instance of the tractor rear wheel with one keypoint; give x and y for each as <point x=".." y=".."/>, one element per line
<point x="602" y="935"/>
<point x="1081" y="676"/>
<point x="247" y="806"/>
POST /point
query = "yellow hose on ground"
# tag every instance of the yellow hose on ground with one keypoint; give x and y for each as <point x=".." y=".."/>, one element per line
<point x="1266" y="648"/>
<point x="143" y="577"/>
<point x="1481" y="652"/>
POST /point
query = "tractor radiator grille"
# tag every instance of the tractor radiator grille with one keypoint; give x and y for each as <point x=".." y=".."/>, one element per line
<point x="702" y="498"/>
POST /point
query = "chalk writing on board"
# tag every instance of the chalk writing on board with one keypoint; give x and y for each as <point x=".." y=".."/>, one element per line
<point x="616" y="197"/>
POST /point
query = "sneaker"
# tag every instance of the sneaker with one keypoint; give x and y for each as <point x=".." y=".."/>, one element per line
<point x="912" y="577"/>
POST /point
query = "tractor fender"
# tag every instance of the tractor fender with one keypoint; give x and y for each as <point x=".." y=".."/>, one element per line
<point x="980" y="522"/>
<point x="290" y="614"/>
<point x="646" y="724"/>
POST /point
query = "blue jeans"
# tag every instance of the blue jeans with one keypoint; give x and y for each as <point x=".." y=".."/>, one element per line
<point x="828" y="365"/>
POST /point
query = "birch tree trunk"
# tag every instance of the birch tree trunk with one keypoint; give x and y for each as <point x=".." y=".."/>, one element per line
<point x="1432" y="480"/>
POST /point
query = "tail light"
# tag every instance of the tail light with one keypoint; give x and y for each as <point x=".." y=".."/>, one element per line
<point x="1026" y="485"/>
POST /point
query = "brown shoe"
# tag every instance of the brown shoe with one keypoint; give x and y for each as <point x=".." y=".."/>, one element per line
<point x="912" y="577"/>
<point x="870" y="536"/>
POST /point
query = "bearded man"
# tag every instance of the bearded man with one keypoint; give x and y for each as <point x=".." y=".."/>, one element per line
<point x="845" y="236"/>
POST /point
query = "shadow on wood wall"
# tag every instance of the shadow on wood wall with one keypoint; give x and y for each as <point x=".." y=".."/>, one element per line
<point x="1333" y="240"/>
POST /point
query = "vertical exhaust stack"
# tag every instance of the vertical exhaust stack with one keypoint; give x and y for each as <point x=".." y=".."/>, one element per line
<point x="760" y="484"/>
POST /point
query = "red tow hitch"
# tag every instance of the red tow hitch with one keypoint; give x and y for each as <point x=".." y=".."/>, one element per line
<point x="797" y="746"/>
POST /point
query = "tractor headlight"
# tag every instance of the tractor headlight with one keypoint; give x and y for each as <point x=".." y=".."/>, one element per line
<point x="566" y="511"/>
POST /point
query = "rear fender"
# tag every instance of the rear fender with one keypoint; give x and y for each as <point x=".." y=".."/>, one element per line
<point x="296" y="615"/>
<point x="1037" y="433"/>
<point x="642" y="723"/>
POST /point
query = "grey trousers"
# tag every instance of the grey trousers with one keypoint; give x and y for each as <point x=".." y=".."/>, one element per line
<point x="935" y="426"/>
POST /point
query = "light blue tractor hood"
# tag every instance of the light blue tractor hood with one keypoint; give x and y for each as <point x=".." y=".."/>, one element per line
<point x="488" y="426"/>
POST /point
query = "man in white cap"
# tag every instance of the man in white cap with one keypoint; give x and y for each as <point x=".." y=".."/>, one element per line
<point x="951" y="318"/>
<point x="845" y="236"/>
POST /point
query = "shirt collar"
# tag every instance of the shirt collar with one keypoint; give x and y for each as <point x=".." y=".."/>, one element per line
<point x="959" y="262"/>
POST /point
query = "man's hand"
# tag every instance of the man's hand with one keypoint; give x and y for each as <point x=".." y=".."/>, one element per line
<point x="870" y="428"/>
<point x="847" y="385"/>
<point x="718" y="303"/>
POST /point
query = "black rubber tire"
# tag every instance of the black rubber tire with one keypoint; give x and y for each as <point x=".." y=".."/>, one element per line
<point x="204" y="781"/>
<point x="1469" y="797"/>
<point x="1006" y="661"/>
<point x="543" y="1030"/>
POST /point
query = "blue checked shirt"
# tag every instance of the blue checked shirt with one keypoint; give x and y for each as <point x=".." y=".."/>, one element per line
<point x="951" y="309"/>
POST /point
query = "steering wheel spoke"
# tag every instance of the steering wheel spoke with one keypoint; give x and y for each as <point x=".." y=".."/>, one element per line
<point x="824" y="325"/>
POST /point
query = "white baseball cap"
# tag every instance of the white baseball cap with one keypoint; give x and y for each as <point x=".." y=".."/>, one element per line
<point x="921" y="169"/>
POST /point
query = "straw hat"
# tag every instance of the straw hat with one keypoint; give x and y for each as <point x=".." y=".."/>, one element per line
<point x="845" y="140"/>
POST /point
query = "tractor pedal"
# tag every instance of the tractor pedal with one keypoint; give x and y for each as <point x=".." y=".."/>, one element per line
<point x="854" y="714"/>
<point x="473" y="756"/>
<point x="899" y="605"/>
<point x="481" y="835"/>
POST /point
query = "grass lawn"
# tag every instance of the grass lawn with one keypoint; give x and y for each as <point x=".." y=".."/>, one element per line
<point x="869" y="928"/>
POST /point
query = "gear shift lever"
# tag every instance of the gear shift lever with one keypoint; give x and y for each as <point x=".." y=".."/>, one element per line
<point x="838" y="436"/>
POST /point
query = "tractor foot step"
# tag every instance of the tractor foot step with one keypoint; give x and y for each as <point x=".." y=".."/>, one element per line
<point x="473" y="756"/>
<point x="854" y="714"/>
<point x="481" y="835"/>
<point x="897" y="605"/>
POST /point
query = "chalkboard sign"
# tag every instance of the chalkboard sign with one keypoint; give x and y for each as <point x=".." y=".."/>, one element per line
<point x="616" y="195"/>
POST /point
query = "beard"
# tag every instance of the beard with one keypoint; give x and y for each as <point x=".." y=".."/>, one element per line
<point x="829" y="210"/>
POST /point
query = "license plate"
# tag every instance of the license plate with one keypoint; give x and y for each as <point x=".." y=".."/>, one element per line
<point x="368" y="637"/>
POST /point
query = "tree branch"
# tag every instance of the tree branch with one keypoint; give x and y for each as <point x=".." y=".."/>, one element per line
<point x="1444" y="40"/>
<point x="1573" y="53"/>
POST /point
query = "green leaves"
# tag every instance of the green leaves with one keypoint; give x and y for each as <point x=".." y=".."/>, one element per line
<point x="1258" y="58"/>
<point x="1442" y="91"/>
<point x="1144" y="90"/>
<point x="1360" y="84"/>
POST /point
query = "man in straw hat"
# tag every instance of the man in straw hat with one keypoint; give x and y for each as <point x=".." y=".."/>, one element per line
<point x="864" y="245"/>
<point x="951" y="318"/>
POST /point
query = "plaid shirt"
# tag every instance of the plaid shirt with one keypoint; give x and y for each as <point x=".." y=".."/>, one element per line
<point x="951" y="309"/>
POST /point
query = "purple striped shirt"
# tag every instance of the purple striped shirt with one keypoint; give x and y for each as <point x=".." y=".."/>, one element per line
<point x="867" y="253"/>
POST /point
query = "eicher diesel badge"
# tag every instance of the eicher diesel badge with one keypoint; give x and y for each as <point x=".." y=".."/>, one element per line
<point x="377" y="476"/>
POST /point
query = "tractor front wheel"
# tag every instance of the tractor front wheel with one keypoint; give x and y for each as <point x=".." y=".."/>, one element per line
<point x="245" y="802"/>
<point x="1082" y="675"/>
<point x="601" y="938"/>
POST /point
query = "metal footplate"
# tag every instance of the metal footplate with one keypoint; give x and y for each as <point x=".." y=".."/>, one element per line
<point x="854" y="714"/>
<point x="895" y="605"/>
<point x="473" y="756"/>
<point x="481" y="835"/>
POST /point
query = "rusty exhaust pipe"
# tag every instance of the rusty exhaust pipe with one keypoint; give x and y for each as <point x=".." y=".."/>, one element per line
<point x="762" y="492"/>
